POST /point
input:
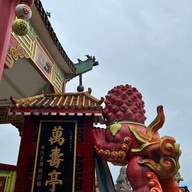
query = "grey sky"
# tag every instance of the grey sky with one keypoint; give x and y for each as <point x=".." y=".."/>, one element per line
<point x="145" y="43"/>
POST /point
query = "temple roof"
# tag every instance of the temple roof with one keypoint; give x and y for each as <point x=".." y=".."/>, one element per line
<point x="53" y="35"/>
<point x="77" y="68"/>
<point x="80" y="103"/>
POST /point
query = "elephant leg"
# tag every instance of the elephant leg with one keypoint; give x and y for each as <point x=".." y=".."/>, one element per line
<point x="137" y="175"/>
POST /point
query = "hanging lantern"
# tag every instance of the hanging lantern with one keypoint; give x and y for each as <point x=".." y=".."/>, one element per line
<point x="23" y="11"/>
<point x="20" y="27"/>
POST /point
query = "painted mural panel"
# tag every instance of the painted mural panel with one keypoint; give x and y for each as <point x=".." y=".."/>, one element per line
<point x="56" y="157"/>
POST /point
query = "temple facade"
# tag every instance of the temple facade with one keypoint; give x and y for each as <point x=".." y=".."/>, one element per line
<point x="56" y="150"/>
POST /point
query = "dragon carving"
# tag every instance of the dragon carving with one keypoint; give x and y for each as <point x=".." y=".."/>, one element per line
<point x="152" y="161"/>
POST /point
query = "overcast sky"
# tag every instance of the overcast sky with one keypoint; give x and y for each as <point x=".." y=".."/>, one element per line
<point x="144" y="43"/>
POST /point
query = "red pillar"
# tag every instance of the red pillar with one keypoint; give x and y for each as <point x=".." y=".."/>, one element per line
<point x="7" y="10"/>
<point x="23" y="155"/>
<point x="89" y="161"/>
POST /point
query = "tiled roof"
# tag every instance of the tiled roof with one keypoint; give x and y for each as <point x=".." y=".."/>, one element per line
<point x="76" y="102"/>
<point x="53" y="35"/>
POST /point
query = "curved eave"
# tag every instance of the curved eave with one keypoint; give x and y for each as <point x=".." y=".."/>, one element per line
<point x="43" y="28"/>
<point x="65" y="104"/>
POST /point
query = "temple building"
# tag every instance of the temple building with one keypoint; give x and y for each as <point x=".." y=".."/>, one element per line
<point x="56" y="151"/>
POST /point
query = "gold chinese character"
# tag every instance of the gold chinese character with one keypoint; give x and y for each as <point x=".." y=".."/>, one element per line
<point x="57" y="136"/>
<point x="55" y="157"/>
<point x="53" y="180"/>
<point x="40" y="164"/>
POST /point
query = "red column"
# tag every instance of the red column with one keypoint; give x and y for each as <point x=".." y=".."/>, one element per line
<point x="24" y="152"/>
<point x="88" y="158"/>
<point x="7" y="10"/>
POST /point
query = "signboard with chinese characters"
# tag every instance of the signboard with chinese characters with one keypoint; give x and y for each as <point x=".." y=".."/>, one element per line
<point x="56" y="157"/>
